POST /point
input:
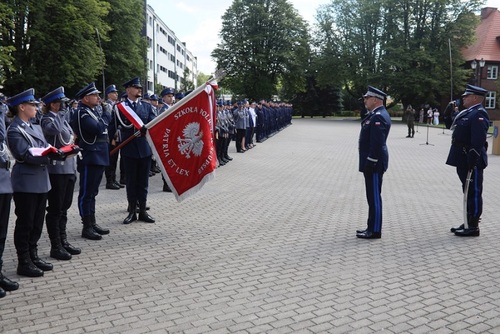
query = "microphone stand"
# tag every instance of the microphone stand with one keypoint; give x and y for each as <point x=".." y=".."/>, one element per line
<point x="427" y="141"/>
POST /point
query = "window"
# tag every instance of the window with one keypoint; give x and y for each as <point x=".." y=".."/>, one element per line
<point x="492" y="72"/>
<point x="150" y="64"/>
<point x="491" y="98"/>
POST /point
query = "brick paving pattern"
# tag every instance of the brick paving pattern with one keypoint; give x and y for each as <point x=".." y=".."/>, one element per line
<point x="269" y="246"/>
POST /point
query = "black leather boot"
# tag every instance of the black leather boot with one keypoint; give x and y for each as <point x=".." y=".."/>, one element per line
<point x="25" y="267"/>
<point x="88" y="231"/>
<point x="143" y="215"/>
<point x="132" y="216"/>
<point x="97" y="228"/>
<point x="67" y="246"/>
<point x="57" y="251"/>
<point x="41" y="264"/>
<point x="7" y="284"/>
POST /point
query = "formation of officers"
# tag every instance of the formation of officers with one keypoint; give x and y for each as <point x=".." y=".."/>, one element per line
<point x="55" y="139"/>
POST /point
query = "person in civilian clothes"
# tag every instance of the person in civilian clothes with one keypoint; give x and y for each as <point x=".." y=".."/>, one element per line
<point x="30" y="182"/>
<point x="5" y="198"/>
<point x="91" y="129"/>
<point x="62" y="174"/>
<point x="374" y="158"/>
<point x="114" y="138"/>
<point x="136" y="154"/>
<point x="468" y="153"/>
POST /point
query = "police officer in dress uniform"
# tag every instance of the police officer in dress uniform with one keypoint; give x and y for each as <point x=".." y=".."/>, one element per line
<point x="136" y="154"/>
<point x="374" y="158"/>
<point x="5" y="198"/>
<point x="62" y="174"/>
<point x="91" y="128"/>
<point x="468" y="153"/>
<point x="111" y="99"/>
<point x="30" y="182"/>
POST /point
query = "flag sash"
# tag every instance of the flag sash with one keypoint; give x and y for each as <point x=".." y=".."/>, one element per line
<point x="130" y="114"/>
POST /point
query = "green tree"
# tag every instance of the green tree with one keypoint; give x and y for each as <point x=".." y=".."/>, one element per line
<point x="125" y="48"/>
<point x="263" y="43"/>
<point x="399" y="46"/>
<point x="186" y="83"/>
<point x="53" y="50"/>
<point x="6" y="25"/>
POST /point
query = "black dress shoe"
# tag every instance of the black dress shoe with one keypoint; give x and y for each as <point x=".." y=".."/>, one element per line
<point x="468" y="232"/>
<point x="369" y="235"/>
<point x="132" y="216"/>
<point x="228" y="158"/>
<point x="2" y="293"/>
<point x="118" y="185"/>
<point x="60" y="253"/>
<point x="43" y="265"/>
<point x="70" y="248"/>
<point x="166" y="188"/>
<point x="7" y="284"/>
<point x="89" y="233"/>
<point x="145" y="217"/>
<point x="112" y="185"/>
<point x="99" y="229"/>
<point x="360" y="231"/>
<point x="454" y="229"/>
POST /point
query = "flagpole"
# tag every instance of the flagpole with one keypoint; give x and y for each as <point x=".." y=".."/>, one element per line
<point x="125" y="142"/>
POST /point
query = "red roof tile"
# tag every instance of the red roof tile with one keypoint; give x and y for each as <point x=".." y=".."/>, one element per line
<point x="487" y="44"/>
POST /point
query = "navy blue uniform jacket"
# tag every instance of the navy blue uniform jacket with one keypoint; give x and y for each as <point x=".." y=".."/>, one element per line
<point x="372" y="139"/>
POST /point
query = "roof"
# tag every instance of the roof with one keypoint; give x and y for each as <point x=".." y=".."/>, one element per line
<point x="487" y="44"/>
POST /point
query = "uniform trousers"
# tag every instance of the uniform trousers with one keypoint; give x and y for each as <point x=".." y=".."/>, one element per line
<point x="373" y="186"/>
<point x="60" y="198"/>
<point x="90" y="179"/>
<point x="475" y="193"/>
<point x="137" y="182"/>
<point x="30" y="212"/>
<point x="5" y="200"/>
<point x="240" y="135"/>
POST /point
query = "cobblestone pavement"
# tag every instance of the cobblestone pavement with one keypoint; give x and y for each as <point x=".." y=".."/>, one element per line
<point x="269" y="246"/>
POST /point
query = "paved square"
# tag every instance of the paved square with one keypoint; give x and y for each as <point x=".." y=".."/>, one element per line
<point x="269" y="246"/>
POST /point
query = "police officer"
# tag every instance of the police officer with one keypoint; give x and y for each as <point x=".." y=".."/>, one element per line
<point x="62" y="174"/>
<point x="468" y="153"/>
<point x="30" y="182"/>
<point x="91" y="128"/>
<point x="374" y="158"/>
<point x="114" y="138"/>
<point x="5" y="198"/>
<point x="136" y="154"/>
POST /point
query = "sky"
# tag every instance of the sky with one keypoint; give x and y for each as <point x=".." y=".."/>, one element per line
<point x="198" y="22"/>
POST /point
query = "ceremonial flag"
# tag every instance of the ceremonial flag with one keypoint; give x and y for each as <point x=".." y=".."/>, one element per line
<point x="182" y="141"/>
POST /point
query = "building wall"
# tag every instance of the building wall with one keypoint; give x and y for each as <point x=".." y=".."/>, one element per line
<point x="167" y="55"/>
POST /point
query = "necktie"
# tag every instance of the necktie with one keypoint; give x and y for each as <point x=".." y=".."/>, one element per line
<point x="133" y="105"/>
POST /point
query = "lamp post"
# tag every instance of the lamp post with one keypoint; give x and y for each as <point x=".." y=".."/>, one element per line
<point x="473" y="65"/>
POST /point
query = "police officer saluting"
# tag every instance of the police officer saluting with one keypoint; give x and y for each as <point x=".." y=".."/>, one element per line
<point x="468" y="154"/>
<point x="91" y="128"/>
<point x="136" y="154"/>
<point x="374" y="158"/>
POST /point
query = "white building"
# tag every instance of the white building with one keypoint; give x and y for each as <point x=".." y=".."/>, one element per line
<point x="167" y="56"/>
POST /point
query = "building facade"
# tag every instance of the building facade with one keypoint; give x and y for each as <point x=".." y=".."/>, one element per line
<point x="483" y="58"/>
<point x="168" y="58"/>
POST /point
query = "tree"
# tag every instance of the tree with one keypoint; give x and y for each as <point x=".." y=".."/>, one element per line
<point x="399" y="46"/>
<point x="263" y="43"/>
<point x="54" y="50"/>
<point x="6" y="25"/>
<point x="186" y="84"/>
<point x="125" y="48"/>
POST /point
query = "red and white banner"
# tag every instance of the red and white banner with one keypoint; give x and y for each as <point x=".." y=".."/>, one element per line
<point x="182" y="141"/>
<point x="131" y="115"/>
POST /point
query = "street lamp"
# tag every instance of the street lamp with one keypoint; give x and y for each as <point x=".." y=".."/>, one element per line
<point x="473" y="65"/>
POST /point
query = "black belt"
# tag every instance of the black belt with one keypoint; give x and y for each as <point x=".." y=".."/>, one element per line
<point x="5" y="164"/>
